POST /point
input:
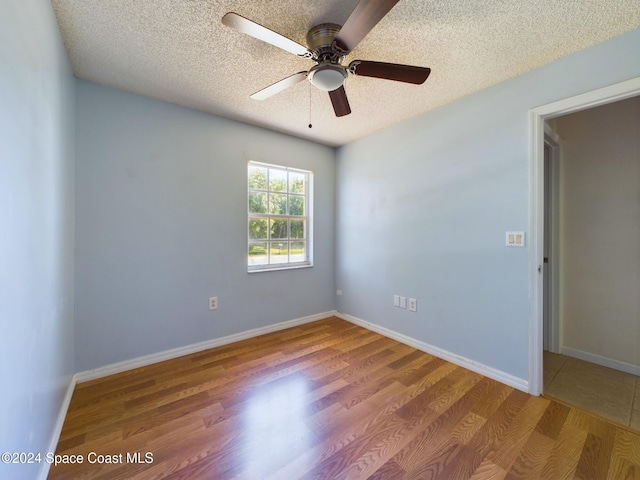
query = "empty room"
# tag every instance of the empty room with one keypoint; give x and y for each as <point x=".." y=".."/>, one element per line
<point x="332" y="240"/>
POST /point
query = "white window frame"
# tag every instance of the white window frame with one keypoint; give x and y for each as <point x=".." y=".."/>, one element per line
<point x="307" y="217"/>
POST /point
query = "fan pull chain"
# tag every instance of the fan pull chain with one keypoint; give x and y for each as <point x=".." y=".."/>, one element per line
<point x="310" y="125"/>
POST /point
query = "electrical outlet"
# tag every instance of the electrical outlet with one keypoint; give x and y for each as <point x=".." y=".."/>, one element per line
<point x="413" y="304"/>
<point x="213" y="303"/>
<point x="339" y="293"/>
<point x="396" y="300"/>
<point x="403" y="302"/>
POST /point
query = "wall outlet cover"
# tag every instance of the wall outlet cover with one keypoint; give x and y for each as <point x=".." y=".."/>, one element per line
<point x="213" y="303"/>
<point x="413" y="304"/>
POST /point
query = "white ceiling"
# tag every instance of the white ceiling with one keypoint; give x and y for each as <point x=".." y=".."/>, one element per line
<point x="180" y="52"/>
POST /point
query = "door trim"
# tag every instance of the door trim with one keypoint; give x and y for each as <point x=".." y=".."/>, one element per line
<point x="554" y="142"/>
<point x="537" y="117"/>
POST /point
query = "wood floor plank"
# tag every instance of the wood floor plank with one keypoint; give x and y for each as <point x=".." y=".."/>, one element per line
<point x="439" y="434"/>
<point x="553" y="419"/>
<point x="338" y="428"/>
<point x="518" y="432"/>
<point x="488" y="471"/>
<point x="378" y="453"/>
<point x="594" y="461"/>
<point x="565" y="454"/>
<point x="528" y="464"/>
<point x="331" y="400"/>
<point x="625" y="453"/>
<point x="490" y="437"/>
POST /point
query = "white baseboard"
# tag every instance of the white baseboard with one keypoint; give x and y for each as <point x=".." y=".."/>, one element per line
<point x="193" y="348"/>
<point x="57" y="428"/>
<point x="490" y="372"/>
<point x="604" y="361"/>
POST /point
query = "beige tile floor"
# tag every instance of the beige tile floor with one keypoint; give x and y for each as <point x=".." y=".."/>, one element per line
<point x="606" y="392"/>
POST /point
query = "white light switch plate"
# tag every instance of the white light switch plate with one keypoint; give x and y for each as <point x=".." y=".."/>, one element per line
<point x="514" y="239"/>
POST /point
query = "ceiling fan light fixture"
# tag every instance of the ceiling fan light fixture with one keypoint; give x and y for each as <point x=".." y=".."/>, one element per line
<point x="327" y="76"/>
<point x="329" y="44"/>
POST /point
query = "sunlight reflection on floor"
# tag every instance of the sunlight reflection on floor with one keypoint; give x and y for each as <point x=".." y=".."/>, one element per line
<point x="275" y="427"/>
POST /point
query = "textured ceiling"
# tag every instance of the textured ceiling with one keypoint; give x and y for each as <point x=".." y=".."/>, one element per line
<point x="180" y="52"/>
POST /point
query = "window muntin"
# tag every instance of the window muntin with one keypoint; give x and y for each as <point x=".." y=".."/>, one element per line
<point x="279" y="216"/>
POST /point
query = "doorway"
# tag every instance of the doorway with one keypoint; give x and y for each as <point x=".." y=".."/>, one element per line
<point x="545" y="244"/>
<point x="537" y="118"/>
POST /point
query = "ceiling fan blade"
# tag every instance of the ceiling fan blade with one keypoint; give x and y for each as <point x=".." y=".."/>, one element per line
<point x="255" y="30"/>
<point x="279" y="86"/>
<point x="364" y="17"/>
<point x="340" y="102"/>
<point x="390" y="71"/>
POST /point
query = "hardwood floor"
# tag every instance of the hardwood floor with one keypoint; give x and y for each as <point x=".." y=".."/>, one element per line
<point x="330" y="400"/>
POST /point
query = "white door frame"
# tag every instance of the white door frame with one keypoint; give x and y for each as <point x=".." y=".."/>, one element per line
<point x="554" y="142"/>
<point x="537" y="116"/>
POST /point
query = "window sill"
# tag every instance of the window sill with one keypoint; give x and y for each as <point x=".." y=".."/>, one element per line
<point x="277" y="269"/>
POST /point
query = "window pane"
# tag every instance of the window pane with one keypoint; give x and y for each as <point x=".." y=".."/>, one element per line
<point x="296" y="182"/>
<point x="278" y="217"/>
<point x="297" y="228"/>
<point x="296" y="205"/>
<point x="258" y="177"/>
<point x="258" y="228"/>
<point x="298" y="252"/>
<point x="277" y="180"/>
<point x="257" y="202"/>
<point x="279" y="252"/>
<point x="279" y="228"/>
<point x="258" y="253"/>
<point x="278" y="204"/>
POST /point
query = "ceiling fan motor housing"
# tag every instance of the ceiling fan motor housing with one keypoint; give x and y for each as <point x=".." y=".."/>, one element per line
<point x="320" y="40"/>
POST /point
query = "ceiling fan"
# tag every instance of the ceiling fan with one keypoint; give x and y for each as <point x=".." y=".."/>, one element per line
<point x="328" y="45"/>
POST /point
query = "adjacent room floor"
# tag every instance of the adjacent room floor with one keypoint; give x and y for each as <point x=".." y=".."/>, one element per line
<point x="610" y="393"/>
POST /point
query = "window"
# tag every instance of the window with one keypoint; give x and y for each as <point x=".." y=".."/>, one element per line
<point x="279" y="213"/>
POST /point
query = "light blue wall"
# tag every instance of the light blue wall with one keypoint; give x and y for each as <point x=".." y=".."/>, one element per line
<point x="423" y="207"/>
<point x="36" y="228"/>
<point x="421" y="211"/>
<point x="161" y="227"/>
